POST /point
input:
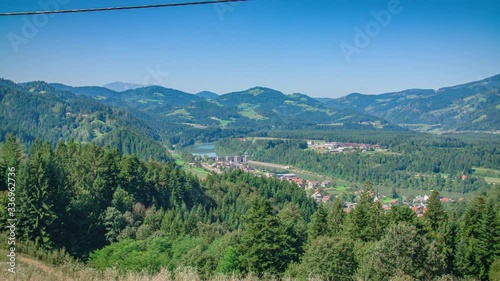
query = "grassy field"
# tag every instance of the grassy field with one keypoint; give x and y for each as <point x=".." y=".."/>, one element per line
<point x="492" y="180"/>
<point x="199" y="172"/>
<point x="489" y="175"/>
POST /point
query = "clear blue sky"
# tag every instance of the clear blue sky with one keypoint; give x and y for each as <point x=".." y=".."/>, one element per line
<point x="288" y="45"/>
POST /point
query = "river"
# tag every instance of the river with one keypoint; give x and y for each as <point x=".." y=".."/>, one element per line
<point x="201" y="149"/>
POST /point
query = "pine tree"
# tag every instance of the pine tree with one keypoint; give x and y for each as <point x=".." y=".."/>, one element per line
<point x="488" y="239"/>
<point x="11" y="156"/>
<point x="318" y="225"/>
<point x="36" y="196"/>
<point x="439" y="230"/>
<point x="467" y="256"/>
<point x="365" y="221"/>
<point x="435" y="215"/>
<point x="13" y="152"/>
<point x="265" y="244"/>
<point x="336" y="217"/>
<point x="292" y="220"/>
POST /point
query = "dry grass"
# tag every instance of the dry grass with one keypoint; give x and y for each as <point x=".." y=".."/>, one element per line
<point x="28" y="269"/>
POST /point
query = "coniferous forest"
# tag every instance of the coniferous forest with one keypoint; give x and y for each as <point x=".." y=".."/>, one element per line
<point x="109" y="210"/>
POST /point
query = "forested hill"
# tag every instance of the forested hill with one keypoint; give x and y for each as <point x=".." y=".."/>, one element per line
<point x="268" y="105"/>
<point x="471" y="106"/>
<point x="38" y="110"/>
<point x="257" y="106"/>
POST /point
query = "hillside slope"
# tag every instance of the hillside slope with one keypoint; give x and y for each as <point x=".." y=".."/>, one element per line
<point x="37" y="110"/>
<point x="471" y="106"/>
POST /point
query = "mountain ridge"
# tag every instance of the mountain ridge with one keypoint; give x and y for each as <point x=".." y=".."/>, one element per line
<point x="122" y="86"/>
<point x="469" y="106"/>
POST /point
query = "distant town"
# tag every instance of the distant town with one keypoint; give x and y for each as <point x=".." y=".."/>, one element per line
<point x="339" y="147"/>
<point x="318" y="190"/>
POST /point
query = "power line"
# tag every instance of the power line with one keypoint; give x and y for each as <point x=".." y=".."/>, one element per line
<point x="118" y="8"/>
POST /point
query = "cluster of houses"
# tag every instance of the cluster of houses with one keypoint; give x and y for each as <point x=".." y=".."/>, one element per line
<point x="306" y="184"/>
<point x="339" y="147"/>
<point x="221" y="163"/>
<point x="418" y="205"/>
<point x="318" y="197"/>
<point x="231" y="159"/>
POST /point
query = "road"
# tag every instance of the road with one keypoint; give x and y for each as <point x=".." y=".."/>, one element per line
<point x="269" y="165"/>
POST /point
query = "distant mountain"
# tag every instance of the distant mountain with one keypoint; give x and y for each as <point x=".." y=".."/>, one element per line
<point x="122" y="87"/>
<point x="264" y="104"/>
<point x="207" y="95"/>
<point x="38" y="110"/>
<point x="181" y="117"/>
<point x="148" y="100"/>
<point x="471" y="106"/>
<point x="324" y="100"/>
<point x="91" y="91"/>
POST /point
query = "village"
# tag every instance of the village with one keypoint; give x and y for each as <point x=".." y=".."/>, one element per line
<point x="340" y="147"/>
<point x="321" y="191"/>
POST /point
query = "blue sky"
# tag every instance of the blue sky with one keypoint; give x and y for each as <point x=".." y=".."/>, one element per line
<point x="306" y="46"/>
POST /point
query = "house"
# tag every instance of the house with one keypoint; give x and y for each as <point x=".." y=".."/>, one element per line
<point x="349" y="206"/>
<point x="298" y="181"/>
<point x="326" y="183"/>
<point x="317" y="196"/>
<point x="312" y="184"/>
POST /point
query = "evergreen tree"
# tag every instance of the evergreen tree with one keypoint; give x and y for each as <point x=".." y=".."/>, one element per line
<point x="468" y="253"/>
<point x="439" y="229"/>
<point x="318" y="225"/>
<point x="335" y="218"/>
<point x="265" y="244"/>
<point x="11" y="155"/>
<point x="435" y="215"/>
<point x="292" y="220"/>
<point x="12" y="152"/>
<point x="488" y="239"/>
<point x="366" y="220"/>
<point x="36" y="196"/>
